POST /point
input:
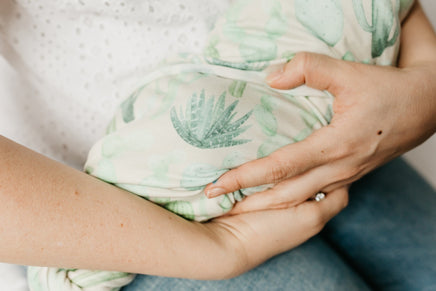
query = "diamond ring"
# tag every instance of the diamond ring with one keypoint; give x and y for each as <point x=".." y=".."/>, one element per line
<point x="319" y="196"/>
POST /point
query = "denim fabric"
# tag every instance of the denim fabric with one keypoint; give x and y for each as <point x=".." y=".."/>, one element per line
<point x="388" y="231"/>
<point x="384" y="240"/>
<point x="312" y="266"/>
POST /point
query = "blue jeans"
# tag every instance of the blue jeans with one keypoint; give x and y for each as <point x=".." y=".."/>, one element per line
<point x="384" y="240"/>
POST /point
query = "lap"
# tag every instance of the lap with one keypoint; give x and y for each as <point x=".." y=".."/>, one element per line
<point x="384" y="239"/>
<point x="312" y="266"/>
<point x="388" y="231"/>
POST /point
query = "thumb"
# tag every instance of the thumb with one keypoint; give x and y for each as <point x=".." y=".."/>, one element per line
<point x="316" y="71"/>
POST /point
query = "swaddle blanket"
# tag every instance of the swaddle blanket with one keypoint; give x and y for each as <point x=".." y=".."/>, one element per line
<point x="199" y="116"/>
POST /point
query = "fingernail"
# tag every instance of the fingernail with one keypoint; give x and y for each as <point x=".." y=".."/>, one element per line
<point x="214" y="192"/>
<point x="274" y="76"/>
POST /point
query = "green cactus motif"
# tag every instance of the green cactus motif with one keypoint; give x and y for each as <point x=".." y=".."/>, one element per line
<point x="170" y="92"/>
<point x="310" y="120"/>
<point x="271" y="144"/>
<point x="383" y="20"/>
<point x="112" y="126"/>
<point x="288" y="55"/>
<point x="211" y="49"/>
<point x="127" y="107"/>
<point x="237" y="88"/>
<point x="324" y="19"/>
<point x="405" y="6"/>
<point x="329" y="113"/>
<point x="197" y="176"/>
<point x="234" y="159"/>
<point x="255" y="48"/>
<point x="105" y="170"/>
<point x="263" y="113"/>
<point x="266" y="120"/>
<point x="225" y="203"/>
<point x="182" y="208"/>
<point x="348" y="56"/>
<point x="207" y="125"/>
<point x="159" y="165"/>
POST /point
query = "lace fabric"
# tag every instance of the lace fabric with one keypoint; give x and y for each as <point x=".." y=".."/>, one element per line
<point x="65" y="65"/>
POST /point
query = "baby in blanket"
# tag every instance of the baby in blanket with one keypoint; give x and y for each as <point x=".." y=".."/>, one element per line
<point x="199" y="116"/>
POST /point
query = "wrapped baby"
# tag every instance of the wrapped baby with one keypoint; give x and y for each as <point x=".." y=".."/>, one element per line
<point x="199" y="116"/>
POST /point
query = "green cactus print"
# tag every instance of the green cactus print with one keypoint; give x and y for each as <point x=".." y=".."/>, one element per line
<point x="207" y="125"/>
<point x="170" y="93"/>
<point x="383" y="20"/>
<point x="112" y="127"/>
<point x="266" y="120"/>
<point x="234" y="159"/>
<point x="211" y="49"/>
<point x="264" y="116"/>
<point x="309" y="118"/>
<point x="197" y="176"/>
<point x="288" y="55"/>
<point x="255" y="47"/>
<point x="105" y="171"/>
<point x="182" y="208"/>
<point x="348" y="56"/>
<point x="127" y="107"/>
<point x="159" y="165"/>
<point x="405" y="5"/>
<point x="277" y="25"/>
<point x="325" y="21"/>
<point x="225" y="203"/>
<point x="271" y="144"/>
<point x="237" y="88"/>
<point x="329" y="113"/>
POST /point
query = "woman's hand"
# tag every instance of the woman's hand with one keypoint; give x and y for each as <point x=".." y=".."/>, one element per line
<point x="254" y="237"/>
<point x="380" y="113"/>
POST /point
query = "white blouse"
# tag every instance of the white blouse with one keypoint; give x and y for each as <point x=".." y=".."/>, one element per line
<point x="66" y="64"/>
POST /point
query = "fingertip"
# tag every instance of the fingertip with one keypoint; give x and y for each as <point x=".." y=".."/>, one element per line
<point x="213" y="192"/>
<point x="274" y="77"/>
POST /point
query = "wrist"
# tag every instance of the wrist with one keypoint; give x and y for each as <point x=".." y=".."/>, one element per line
<point x="421" y="83"/>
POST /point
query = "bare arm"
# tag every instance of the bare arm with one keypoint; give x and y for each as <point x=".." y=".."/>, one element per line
<point x="53" y="215"/>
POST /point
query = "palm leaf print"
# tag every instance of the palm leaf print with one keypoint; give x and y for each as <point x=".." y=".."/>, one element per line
<point x="206" y="124"/>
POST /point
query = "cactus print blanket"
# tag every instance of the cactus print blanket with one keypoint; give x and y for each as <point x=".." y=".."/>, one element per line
<point x="198" y="116"/>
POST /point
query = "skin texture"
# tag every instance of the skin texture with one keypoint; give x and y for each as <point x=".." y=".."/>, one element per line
<point x="380" y="113"/>
<point x="54" y="215"/>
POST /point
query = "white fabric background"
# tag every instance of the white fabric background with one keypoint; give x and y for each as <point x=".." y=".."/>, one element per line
<point x="73" y="50"/>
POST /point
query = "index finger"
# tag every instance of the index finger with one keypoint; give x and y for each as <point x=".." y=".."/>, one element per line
<point x="286" y="162"/>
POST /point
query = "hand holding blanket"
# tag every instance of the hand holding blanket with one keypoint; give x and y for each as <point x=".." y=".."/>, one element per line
<point x="199" y="116"/>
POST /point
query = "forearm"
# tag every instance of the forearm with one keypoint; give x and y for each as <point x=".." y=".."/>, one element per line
<point x="54" y="215"/>
<point x="418" y="40"/>
<point x="418" y="61"/>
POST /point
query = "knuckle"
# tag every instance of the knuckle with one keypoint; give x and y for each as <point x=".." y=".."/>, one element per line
<point x="236" y="177"/>
<point x="316" y="219"/>
<point x="278" y="170"/>
<point x="303" y="60"/>
<point x="347" y="174"/>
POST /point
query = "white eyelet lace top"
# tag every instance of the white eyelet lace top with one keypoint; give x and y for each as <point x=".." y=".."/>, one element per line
<point x="65" y="65"/>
